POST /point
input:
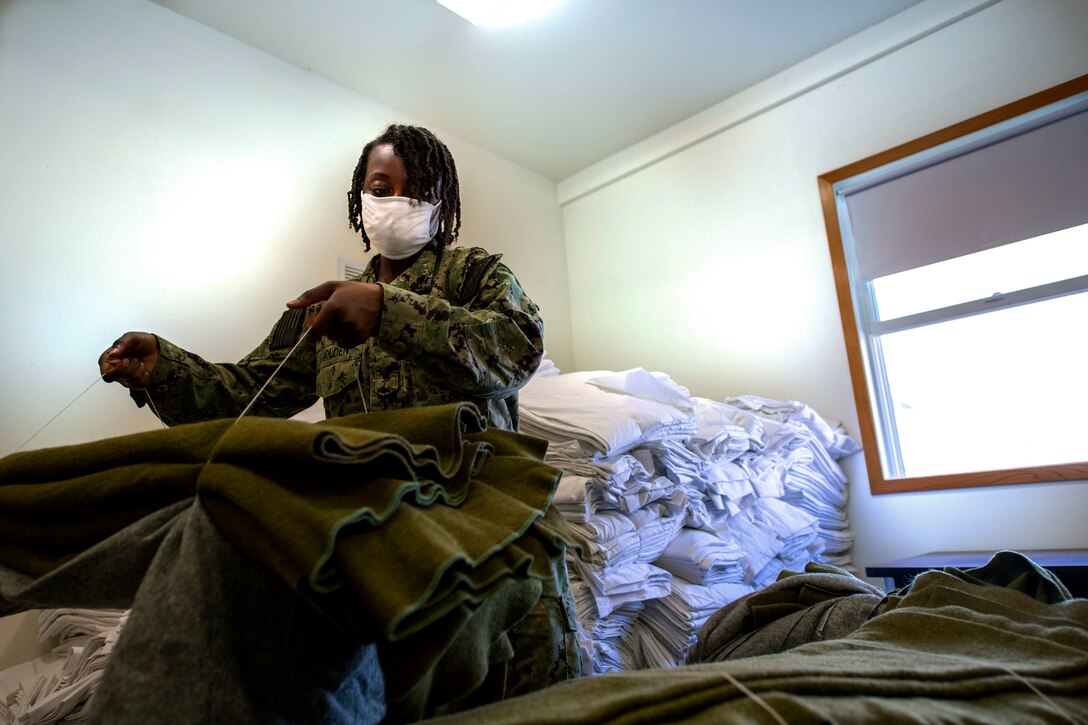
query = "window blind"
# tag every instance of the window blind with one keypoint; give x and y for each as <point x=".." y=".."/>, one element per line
<point x="1028" y="179"/>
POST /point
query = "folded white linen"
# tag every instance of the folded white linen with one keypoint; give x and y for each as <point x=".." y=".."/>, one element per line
<point x="650" y="651"/>
<point x="567" y="407"/>
<point x="640" y="383"/>
<point x="717" y="436"/>
<point x="60" y="685"/>
<point x="831" y="434"/>
<point x="612" y="554"/>
<point x="716" y="494"/>
<point x="635" y="582"/>
<point x="656" y="525"/>
<point x="703" y="558"/>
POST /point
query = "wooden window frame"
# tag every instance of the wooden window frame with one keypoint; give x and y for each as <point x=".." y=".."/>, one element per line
<point x="866" y="409"/>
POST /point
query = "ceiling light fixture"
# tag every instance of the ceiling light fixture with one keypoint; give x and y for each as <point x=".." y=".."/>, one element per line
<point x="499" y="12"/>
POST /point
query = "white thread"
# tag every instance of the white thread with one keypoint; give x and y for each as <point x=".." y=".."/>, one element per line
<point x="778" y="718"/>
<point x="736" y="683"/>
<point x="758" y="700"/>
<point x="266" y="382"/>
<point x="57" y="415"/>
<point x="154" y="409"/>
<point x="359" y="385"/>
<point x="152" y="403"/>
<point x="364" y="363"/>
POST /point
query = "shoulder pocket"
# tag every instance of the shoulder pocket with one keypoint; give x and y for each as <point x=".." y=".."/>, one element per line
<point x="287" y="331"/>
<point x="478" y="269"/>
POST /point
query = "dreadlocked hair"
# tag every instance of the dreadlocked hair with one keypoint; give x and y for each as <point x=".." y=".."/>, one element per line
<point x="429" y="165"/>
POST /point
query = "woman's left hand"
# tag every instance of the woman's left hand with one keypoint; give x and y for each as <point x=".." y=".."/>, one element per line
<point x="351" y="313"/>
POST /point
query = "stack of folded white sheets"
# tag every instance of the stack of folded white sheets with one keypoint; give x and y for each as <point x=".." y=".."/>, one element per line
<point x="815" y="481"/>
<point x="688" y="503"/>
<point x="61" y="684"/>
<point x="604" y="422"/>
<point x="671" y="622"/>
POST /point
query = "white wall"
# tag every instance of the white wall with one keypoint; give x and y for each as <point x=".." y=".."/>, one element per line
<point x="712" y="263"/>
<point x="157" y="175"/>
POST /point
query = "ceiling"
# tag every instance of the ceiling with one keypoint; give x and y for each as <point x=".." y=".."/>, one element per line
<point x="560" y="93"/>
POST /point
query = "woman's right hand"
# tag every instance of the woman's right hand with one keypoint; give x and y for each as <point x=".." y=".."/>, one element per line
<point x="130" y="360"/>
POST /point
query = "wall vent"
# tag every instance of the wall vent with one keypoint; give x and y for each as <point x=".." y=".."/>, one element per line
<point x="349" y="269"/>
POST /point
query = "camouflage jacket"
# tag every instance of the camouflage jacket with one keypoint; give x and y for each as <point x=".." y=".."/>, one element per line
<point x="456" y="326"/>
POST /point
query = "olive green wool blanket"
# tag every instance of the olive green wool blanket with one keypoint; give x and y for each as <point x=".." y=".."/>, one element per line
<point x="396" y="525"/>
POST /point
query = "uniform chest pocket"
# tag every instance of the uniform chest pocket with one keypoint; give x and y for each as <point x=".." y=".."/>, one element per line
<point x="334" y="376"/>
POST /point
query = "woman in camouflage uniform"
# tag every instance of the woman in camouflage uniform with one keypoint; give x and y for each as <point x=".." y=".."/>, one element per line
<point x="426" y="323"/>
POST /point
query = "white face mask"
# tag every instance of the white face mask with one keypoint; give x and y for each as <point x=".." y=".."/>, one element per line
<point x="398" y="226"/>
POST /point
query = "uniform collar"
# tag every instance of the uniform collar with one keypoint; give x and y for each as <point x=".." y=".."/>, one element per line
<point x="418" y="278"/>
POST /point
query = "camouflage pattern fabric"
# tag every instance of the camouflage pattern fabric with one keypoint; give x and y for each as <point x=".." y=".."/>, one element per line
<point x="545" y="641"/>
<point x="456" y="326"/>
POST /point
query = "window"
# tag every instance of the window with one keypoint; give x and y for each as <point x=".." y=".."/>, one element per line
<point x="961" y="267"/>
